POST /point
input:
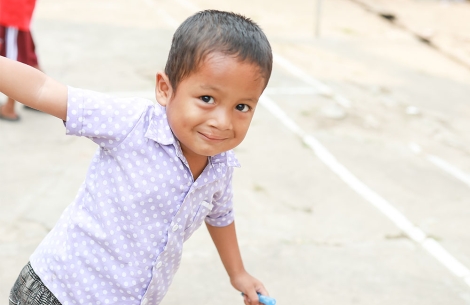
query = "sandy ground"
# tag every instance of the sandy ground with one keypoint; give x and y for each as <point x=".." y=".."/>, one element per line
<point x="326" y="226"/>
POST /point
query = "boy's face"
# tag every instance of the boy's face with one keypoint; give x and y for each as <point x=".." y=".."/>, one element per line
<point x="212" y="108"/>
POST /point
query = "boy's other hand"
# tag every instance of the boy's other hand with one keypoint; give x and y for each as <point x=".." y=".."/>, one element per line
<point x="249" y="285"/>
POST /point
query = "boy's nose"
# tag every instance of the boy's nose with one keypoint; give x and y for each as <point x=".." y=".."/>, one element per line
<point x="222" y="119"/>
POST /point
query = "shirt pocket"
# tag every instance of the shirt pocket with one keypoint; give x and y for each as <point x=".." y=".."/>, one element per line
<point x="198" y="217"/>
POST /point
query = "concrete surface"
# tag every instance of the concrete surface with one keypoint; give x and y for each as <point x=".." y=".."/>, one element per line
<point x="305" y="232"/>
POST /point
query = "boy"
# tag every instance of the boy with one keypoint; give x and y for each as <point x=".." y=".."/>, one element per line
<point x="161" y="170"/>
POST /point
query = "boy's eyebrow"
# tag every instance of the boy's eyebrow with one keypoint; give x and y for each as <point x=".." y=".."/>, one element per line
<point x="209" y="87"/>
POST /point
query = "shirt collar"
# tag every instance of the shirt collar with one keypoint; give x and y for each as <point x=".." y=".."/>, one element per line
<point x="158" y="128"/>
<point x="227" y="157"/>
<point x="159" y="131"/>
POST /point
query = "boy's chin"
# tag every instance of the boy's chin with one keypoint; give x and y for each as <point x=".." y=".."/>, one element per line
<point x="212" y="152"/>
<point x="205" y="150"/>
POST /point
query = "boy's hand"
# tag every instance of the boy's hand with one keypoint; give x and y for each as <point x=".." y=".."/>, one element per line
<point x="249" y="285"/>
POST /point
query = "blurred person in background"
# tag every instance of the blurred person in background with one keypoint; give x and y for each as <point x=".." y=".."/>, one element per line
<point x="16" y="42"/>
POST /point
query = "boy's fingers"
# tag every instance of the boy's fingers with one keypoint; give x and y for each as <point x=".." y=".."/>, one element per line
<point x="253" y="298"/>
<point x="245" y="300"/>
<point x="263" y="291"/>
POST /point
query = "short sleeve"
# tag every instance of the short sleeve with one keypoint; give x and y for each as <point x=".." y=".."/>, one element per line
<point x="222" y="214"/>
<point x="104" y="119"/>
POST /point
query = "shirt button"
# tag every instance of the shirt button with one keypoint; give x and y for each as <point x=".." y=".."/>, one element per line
<point x="175" y="227"/>
<point x="159" y="264"/>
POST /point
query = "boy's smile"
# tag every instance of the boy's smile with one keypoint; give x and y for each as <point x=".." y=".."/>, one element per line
<point x="212" y="108"/>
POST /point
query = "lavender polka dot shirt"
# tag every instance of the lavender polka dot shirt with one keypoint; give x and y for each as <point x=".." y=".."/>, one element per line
<point x="120" y="241"/>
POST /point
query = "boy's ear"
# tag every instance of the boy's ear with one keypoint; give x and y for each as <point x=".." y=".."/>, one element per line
<point x="163" y="90"/>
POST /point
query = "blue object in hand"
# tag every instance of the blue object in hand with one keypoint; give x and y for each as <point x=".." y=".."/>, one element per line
<point x="265" y="299"/>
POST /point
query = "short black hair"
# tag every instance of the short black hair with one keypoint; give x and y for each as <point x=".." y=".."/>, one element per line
<point x="213" y="31"/>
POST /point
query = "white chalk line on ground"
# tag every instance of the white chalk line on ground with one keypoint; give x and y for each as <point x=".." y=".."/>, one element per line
<point x="449" y="168"/>
<point x="413" y="232"/>
<point x="454" y="171"/>
<point x="316" y="84"/>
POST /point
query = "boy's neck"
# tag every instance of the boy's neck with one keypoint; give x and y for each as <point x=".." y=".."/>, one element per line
<point x="197" y="164"/>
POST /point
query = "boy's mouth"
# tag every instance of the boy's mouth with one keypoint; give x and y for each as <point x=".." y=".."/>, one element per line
<point x="212" y="137"/>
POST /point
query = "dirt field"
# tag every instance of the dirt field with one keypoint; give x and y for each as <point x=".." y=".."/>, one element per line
<point x="355" y="178"/>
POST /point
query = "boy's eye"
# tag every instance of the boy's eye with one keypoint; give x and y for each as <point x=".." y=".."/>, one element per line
<point x="207" y="99"/>
<point x="242" y="107"/>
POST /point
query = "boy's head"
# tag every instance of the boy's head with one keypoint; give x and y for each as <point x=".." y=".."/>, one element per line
<point x="218" y="67"/>
<point x="212" y="31"/>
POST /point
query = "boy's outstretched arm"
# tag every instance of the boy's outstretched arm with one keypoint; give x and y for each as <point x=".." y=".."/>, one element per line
<point x="225" y="240"/>
<point x="33" y="88"/>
